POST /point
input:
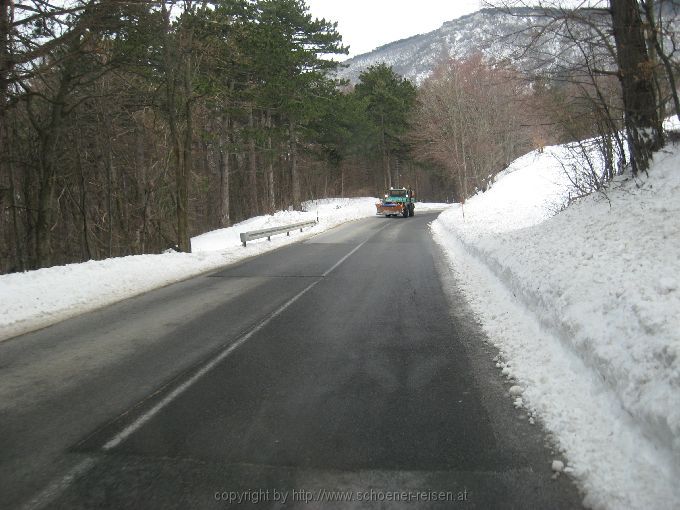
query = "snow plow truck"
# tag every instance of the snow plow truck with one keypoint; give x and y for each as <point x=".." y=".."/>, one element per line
<point x="397" y="201"/>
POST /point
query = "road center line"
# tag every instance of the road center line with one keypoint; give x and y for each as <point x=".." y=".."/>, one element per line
<point x="139" y="422"/>
<point x="339" y="262"/>
<point x="58" y="486"/>
<point x="148" y="415"/>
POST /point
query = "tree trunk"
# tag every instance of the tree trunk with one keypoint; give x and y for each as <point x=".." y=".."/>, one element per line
<point x="44" y="215"/>
<point x="385" y="157"/>
<point x="49" y="138"/>
<point x="252" y="166"/>
<point x="108" y="163"/>
<point x="659" y="51"/>
<point x="142" y="192"/>
<point x="19" y="263"/>
<point x="6" y="170"/>
<point x="223" y="145"/>
<point x="271" y="191"/>
<point x="86" y="253"/>
<point x="181" y="188"/>
<point x="180" y="144"/>
<point x="239" y="141"/>
<point x="5" y="64"/>
<point x="294" y="174"/>
<point x="182" y="182"/>
<point x="636" y="74"/>
<point x="186" y="167"/>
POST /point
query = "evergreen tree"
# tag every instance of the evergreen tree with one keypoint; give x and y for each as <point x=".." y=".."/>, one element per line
<point x="291" y="65"/>
<point x="388" y="99"/>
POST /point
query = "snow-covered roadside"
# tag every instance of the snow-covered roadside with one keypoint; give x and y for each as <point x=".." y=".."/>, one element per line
<point x="431" y="206"/>
<point x="35" y="299"/>
<point x="584" y="307"/>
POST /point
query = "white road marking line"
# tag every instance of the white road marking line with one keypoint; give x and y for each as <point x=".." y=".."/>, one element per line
<point x="57" y="487"/>
<point x="351" y="253"/>
<point x="144" y="418"/>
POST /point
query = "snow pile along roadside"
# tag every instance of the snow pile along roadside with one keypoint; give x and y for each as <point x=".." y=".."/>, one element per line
<point x="330" y="212"/>
<point x="584" y="307"/>
<point x="431" y="206"/>
<point x="35" y="299"/>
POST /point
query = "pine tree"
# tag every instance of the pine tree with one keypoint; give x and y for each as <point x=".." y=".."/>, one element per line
<point x="389" y="99"/>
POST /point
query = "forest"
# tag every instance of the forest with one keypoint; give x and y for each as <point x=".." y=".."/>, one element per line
<point x="129" y="127"/>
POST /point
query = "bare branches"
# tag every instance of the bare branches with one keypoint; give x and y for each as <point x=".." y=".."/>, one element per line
<point x="469" y="121"/>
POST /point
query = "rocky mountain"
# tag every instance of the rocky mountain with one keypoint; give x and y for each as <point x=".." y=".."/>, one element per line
<point x="500" y="35"/>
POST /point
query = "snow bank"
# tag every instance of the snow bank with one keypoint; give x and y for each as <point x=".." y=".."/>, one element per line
<point x="331" y="212"/>
<point x="35" y="299"/>
<point x="431" y="206"/>
<point x="584" y="306"/>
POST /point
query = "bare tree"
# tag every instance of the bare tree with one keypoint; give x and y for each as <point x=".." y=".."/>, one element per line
<point x="608" y="39"/>
<point x="469" y="120"/>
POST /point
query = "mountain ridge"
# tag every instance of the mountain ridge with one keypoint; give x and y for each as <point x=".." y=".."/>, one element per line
<point x="496" y="33"/>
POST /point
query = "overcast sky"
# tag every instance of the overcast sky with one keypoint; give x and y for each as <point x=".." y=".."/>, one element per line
<point x="367" y="24"/>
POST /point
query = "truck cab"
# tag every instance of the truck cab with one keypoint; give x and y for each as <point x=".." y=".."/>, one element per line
<point x="397" y="201"/>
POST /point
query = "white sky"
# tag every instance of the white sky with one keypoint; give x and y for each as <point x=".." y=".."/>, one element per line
<point x="367" y="24"/>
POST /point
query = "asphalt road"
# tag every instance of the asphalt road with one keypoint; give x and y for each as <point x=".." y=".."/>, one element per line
<point x="332" y="369"/>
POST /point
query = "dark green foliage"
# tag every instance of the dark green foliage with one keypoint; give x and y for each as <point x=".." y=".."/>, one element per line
<point x="388" y="100"/>
<point x="388" y="97"/>
<point x="132" y="129"/>
<point x="127" y="128"/>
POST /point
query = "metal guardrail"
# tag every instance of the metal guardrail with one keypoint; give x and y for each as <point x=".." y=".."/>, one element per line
<point x="269" y="232"/>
